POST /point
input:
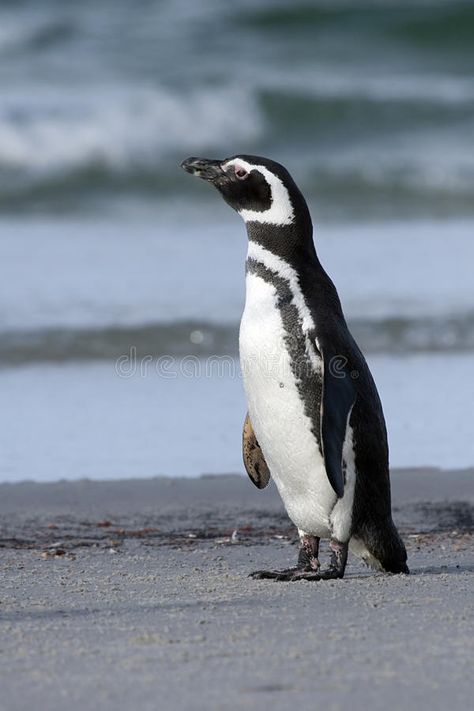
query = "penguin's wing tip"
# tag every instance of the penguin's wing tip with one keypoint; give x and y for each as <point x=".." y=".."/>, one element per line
<point x="254" y="461"/>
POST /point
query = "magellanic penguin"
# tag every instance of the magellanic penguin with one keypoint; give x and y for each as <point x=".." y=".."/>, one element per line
<point x="315" y="422"/>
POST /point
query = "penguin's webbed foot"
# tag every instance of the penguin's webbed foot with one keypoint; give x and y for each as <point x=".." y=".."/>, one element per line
<point x="308" y="565"/>
<point x="306" y="568"/>
<point x="294" y="574"/>
<point x="329" y="573"/>
<point x="288" y="574"/>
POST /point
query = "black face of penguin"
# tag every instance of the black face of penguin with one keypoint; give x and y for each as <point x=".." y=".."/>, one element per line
<point x="260" y="190"/>
<point x="241" y="188"/>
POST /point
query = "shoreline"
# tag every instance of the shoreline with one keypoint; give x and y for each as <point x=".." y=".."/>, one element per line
<point x="88" y="512"/>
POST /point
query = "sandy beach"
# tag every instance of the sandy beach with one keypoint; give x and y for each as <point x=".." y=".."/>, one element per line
<point x="134" y="594"/>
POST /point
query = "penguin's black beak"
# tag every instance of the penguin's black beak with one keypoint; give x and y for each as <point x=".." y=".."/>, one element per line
<point x="204" y="168"/>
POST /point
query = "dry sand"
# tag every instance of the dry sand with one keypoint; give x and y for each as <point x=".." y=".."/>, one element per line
<point x="134" y="595"/>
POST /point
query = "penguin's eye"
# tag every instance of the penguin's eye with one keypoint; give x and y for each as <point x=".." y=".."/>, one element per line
<point x="240" y="172"/>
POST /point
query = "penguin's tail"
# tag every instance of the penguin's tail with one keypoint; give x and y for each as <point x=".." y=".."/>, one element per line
<point x="381" y="548"/>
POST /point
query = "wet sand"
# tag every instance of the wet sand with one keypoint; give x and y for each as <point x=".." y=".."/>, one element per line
<point x="134" y="594"/>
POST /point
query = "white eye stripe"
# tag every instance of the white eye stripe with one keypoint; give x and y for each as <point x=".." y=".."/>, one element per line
<point x="237" y="163"/>
<point x="281" y="210"/>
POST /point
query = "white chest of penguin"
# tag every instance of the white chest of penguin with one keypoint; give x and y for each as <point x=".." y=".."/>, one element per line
<point x="277" y="412"/>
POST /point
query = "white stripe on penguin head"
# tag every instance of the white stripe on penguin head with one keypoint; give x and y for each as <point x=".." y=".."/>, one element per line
<point x="281" y="210"/>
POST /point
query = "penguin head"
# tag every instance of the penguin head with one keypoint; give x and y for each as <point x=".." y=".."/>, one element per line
<point x="259" y="189"/>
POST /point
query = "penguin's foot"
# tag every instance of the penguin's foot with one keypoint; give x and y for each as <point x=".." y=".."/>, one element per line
<point x="308" y="553"/>
<point x="288" y="574"/>
<point x="305" y="571"/>
<point x="308" y="563"/>
<point x="337" y="566"/>
<point x="294" y="574"/>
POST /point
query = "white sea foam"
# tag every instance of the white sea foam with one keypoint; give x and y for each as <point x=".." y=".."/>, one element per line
<point x="66" y="129"/>
<point x="334" y="81"/>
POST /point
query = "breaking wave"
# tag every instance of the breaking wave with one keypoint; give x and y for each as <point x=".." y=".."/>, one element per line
<point x="369" y="102"/>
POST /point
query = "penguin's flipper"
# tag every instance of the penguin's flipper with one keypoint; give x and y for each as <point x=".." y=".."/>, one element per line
<point x="339" y="394"/>
<point x="254" y="460"/>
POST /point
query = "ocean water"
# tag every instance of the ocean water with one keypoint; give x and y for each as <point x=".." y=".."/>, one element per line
<point x="112" y="259"/>
<point x="369" y="102"/>
<point x="119" y="341"/>
<point x="98" y="421"/>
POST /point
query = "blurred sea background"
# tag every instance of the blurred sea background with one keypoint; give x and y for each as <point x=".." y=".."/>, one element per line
<point x="120" y="276"/>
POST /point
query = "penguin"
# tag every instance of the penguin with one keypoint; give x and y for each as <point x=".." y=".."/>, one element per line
<point x="315" y="423"/>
